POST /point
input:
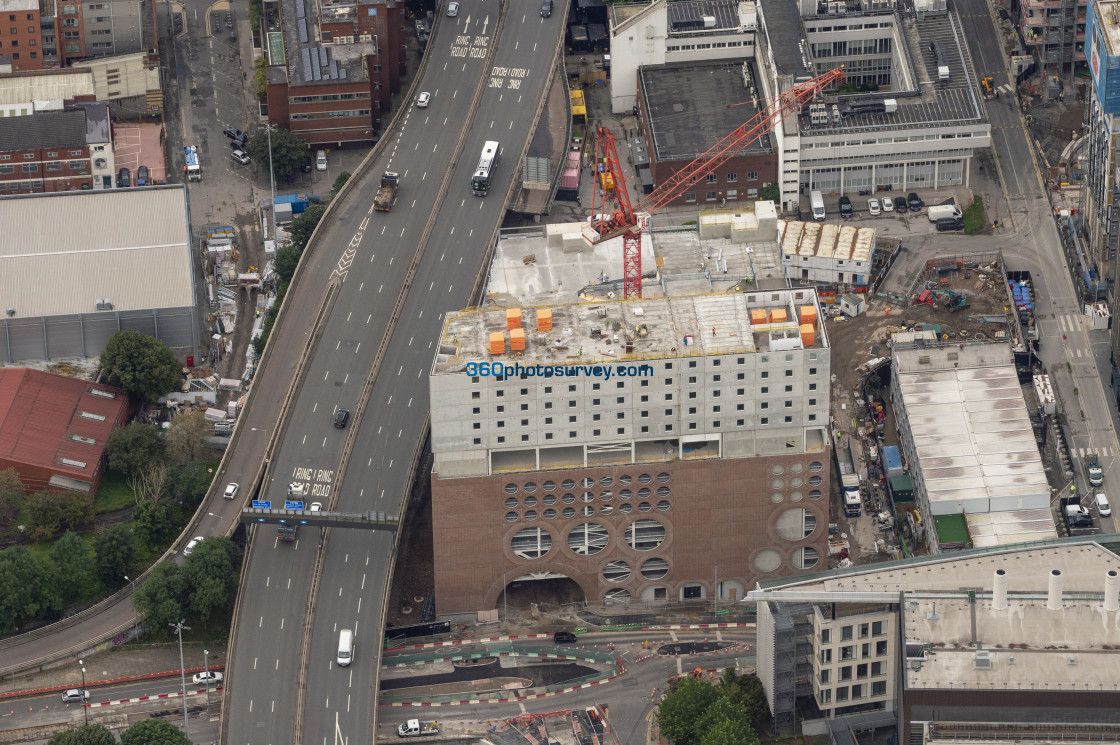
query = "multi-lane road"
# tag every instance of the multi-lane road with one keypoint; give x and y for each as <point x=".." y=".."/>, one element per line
<point x="486" y="76"/>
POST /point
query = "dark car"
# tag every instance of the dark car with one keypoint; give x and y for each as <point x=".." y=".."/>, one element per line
<point x="914" y="202"/>
<point x="900" y="205"/>
<point x="233" y="134"/>
<point x="564" y="637"/>
<point x="306" y="166"/>
<point x="949" y="225"/>
<point x="341" y="417"/>
<point x="845" y="208"/>
<point x="142" y="177"/>
<point x="546" y="8"/>
<point x="240" y="143"/>
<point x="232" y="36"/>
<point x="124" y="179"/>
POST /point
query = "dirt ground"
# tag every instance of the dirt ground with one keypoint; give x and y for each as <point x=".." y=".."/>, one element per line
<point x="413" y="575"/>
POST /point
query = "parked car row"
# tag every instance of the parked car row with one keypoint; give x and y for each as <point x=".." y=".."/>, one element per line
<point x="124" y="177"/>
<point x="875" y="206"/>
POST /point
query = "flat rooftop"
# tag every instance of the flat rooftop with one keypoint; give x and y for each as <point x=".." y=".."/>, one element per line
<point x="968" y="421"/>
<point x="783" y="30"/>
<point x="623" y="332"/>
<point x="309" y="62"/>
<point x="687" y="106"/>
<point x="687" y="17"/>
<point x="826" y="240"/>
<point x="1108" y="21"/>
<point x="1010" y="527"/>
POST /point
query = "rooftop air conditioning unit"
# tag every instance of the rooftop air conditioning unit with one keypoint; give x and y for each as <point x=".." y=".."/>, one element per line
<point x="983" y="660"/>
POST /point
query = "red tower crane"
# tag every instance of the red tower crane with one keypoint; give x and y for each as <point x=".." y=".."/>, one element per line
<point x="622" y="218"/>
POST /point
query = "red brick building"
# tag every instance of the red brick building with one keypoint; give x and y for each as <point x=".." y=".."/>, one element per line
<point x="20" y="34"/>
<point x="53" y="428"/>
<point x="44" y="152"/>
<point x="342" y="64"/>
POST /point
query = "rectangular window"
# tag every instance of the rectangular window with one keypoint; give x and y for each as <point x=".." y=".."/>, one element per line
<point x="877" y="668"/>
<point x="710" y="196"/>
<point x="752" y="175"/>
<point x="845" y="632"/>
<point x="847" y="653"/>
<point x="861" y="670"/>
<point x="864" y="630"/>
<point x="711" y="178"/>
<point x="880" y="649"/>
<point x="732" y="178"/>
<point x="690" y="196"/>
<point x="878" y="628"/>
<point x="845" y="673"/>
<point x="826" y="656"/>
<point x="858" y="690"/>
<point x="879" y="688"/>
<point x="842" y="694"/>
<point x="826" y="675"/>
<point x="826" y="696"/>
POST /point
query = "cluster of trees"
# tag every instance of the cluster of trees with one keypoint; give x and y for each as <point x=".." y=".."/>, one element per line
<point x="144" y="732"/>
<point x="141" y="364"/>
<point x="204" y="585"/>
<point x="731" y="712"/>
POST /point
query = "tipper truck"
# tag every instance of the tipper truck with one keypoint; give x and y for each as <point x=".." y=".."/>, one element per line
<point x="387" y="194"/>
<point x="416" y="728"/>
<point x="849" y="478"/>
<point x="193" y="168"/>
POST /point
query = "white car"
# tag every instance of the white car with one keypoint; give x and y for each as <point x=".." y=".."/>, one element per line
<point x="297" y="489"/>
<point x="873" y="207"/>
<point x="193" y="544"/>
<point x="231" y="490"/>
<point x="422" y="100"/>
<point x="888" y="205"/>
<point x="452" y="9"/>
<point x="316" y="506"/>
<point x="241" y="157"/>
<point x="321" y="160"/>
<point x="207" y="678"/>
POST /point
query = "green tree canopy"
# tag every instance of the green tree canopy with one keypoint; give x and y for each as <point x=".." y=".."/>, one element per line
<point x="192" y="481"/>
<point x="70" y="556"/>
<point x="11" y="493"/>
<point x="115" y="552"/>
<point x="340" y="182"/>
<point x="288" y="152"/>
<point x="153" y="523"/>
<point x="161" y="597"/>
<point x="729" y="732"/>
<point x="188" y="439"/>
<point x="747" y="691"/>
<point x="91" y="734"/>
<point x="211" y="573"/>
<point x="141" y="364"/>
<point x="25" y="591"/>
<point x="154" y="732"/>
<point x="53" y="511"/>
<point x="304" y="225"/>
<point x="134" y="447"/>
<point x="287" y="259"/>
<point x="679" y="711"/>
<point x="771" y="192"/>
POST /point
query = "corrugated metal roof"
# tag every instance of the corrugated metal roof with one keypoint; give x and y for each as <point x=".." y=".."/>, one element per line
<point x="63" y="252"/>
<point x="42" y="415"/>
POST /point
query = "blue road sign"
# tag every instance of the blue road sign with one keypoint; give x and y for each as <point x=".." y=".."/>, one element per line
<point x="262" y="504"/>
<point x="293" y="505"/>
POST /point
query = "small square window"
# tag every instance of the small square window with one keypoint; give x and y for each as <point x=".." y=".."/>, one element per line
<point x="571" y="404"/>
<point x="620" y="400"/>
<point x="501" y="393"/>
<point x="738" y="422"/>
<point x="789" y="404"/>
<point x="621" y="415"/>
<point x="812" y="417"/>
<point x="668" y="412"/>
<point x="548" y="389"/>
<point x="740" y="360"/>
<point x="645" y="430"/>
<point x="789" y="373"/>
<point x="691" y="378"/>
<point x="524" y="422"/>
<point x="812" y="402"/>
<point x="476" y="395"/>
<point x="715" y="424"/>
<point x="668" y="396"/>
<point x="812" y="386"/>
<point x="524" y="407"/>
<point x="764" y="420"/>
<point x="765" y="389"/>
<point x="596" y="417"/>
<point x="524" y="438"/>
<point x="474" y="379"/>
<point x="741" y="376"/>
<point x="668" y="428"/>
<point x="738" y="407"/>
<point x="622" y="430"/>
<point x="668" y="365"/>
<point x="789" y="419"/>
<point x="501" y="423"/>
<point x="595" y="432"/>
<point x="644" y="399"/>
<point x="572" y="419"/>
<point x="692" y="425"/>
<point x="715" y="409"/>
<point x="571" y="389"/>
<point x="476" y="410"/>
<point x="645" y="384"/>
<point x="715" y="378"/>
<point x="620" y="385"/>
<point x="477" y="425"/>
<point x="594" y="402"/>
<point x="692" y="394"/>
<point x="548" y="420"/>
<point x="692" y="363"/>
<point x="548" y="404"/>
<point x="524" y="391"/>
<point x="572" y="434"/>
<point x="478" y="441"/>
<point x="501" y="409"/>
<point x="501" y="438"/>
<point x="548" y="435"/>
<point x="812" y="371"/>
<point x="715" y="363"/>
<point x="668" y="381"/>
<point x="691" y="409"/>
<point x="645" y="413"/>
<point x="764" y="405"/>
<point x="789" y="389"/>
<point x="765" y="374"/>
<point x="594" y="386"/>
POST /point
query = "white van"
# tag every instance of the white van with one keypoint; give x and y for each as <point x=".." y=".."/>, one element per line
<point x="816" y="201"/>
<point x="345" y="647"/>
<point x="1103" y="506"/>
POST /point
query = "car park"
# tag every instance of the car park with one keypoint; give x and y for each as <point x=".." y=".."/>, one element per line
<point x="900" y="205"/>
<point x="75" y="694"/>
<point x="452" y="10"/>
<point x="423" y="99"/>
<point x="914" y="202"/>
<point x="873" y="207"/>
<point x="241" y="157"/>
<point x="888" y="205"/>
<point x="231" y="490"/>
<point x="193" y="545"/>
<point x="949" y="225"/>
<point x="321" y="160"/>
<point x="207" y="678"/>
<point x="564" y="637"/>
<point x="845" y="208"/>
<point x="341" y="417"/>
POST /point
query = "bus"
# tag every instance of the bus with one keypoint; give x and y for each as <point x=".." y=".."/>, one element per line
<point x="480" y="182"/>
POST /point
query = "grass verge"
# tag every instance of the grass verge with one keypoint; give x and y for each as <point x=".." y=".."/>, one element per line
<point x="114" y="494"/>
<point x="975" y="219"/>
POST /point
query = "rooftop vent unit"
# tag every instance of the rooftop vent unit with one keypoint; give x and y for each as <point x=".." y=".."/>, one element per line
<point x="105" y="304"/>
<point x="983" y="660"/>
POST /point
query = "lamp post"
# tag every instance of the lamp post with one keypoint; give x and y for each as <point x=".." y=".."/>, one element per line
<point x="133" y="583"/>
<point x="271" y="182"/>
<point x="179" y="627"/>
<point x="85" y="709"/>
<point x="206" y="668"/>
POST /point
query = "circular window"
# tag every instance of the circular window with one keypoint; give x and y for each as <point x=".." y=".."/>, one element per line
<point x="796" y="481"/>
<point x="530" y="487"/>
<point x="796" y="468"/>
<point x="815" y="494"/>
<point x="796" y="496"/>
<point x="776" y="497"/>
<point x="777" y="469"/>
<point x="549" y="514"/>
<point x="531" y="515"/>
<point x="616" y="571"/>
<point x="568" y="484"/>
<point x="644" y="478"/>
<point x="568" y="498"/>
<point x="645" y="535"/>
<point x="796" y="524"/>
<point x="511" y="517"/>
<point x="531" y="543"/>
<point x="624" y="479"/>
<point x="606" y="509"/>
<point x="569" y="512"/>
<point x="815" y="481"/>
<point x="606" y="496"/>
<point x="587" y="510"/>
<point x="806" y="557"/>
<point x="777" y="483"/>
<point x="625" y="508"/>
<point x="663" y="505"/>
<point x="530" y="501"/>
<point x="588" y="496"/>
<point x="767" y="560"/>
<point x="644" y="492"/>
<point x="663" y="477"/>
<point x="644" y="507"/>
<point x="548" y="485"/>
<point x="815" y="466"/>
<point x="663" y="491"/>
<point x="549" y="499"/>
<point x="606" y="481"/>
<point x="511" y="488"/>
<point x="625" y="494"/>
<point x="587" y="483"/>
<point x="617" y="595"/>
<point x="587" y="539"/>
<point x="655" y="568"/>
<point x="511" y="502"/>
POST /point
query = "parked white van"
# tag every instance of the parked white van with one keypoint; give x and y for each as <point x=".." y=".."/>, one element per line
<point x="345" y="647"/>
<point x="1103" y="506"/>
<point x="816" y="201"/>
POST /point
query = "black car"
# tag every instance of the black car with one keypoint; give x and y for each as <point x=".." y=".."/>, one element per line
<point x="949" y="225"/>
<point x="142" y="177"/>
<point x="845" y="208"/>
<point x="124" y="179"/>
<point x="564" y="637"/>
<point x="546" y="8"/>
<point x="914" y="202"/>
<point x="305" y="166"/>
<point x="900" y="205"/>
<point x="240" y="143"/>
<point x="233" y="134"/>
<point x="341" y="417"/>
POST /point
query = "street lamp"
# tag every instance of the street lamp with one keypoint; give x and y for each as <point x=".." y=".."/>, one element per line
<point x="272" y="183"/>
<point x="133" y="583"/>
<point x="85" y="709"/>
<point x="206" y="668"/>
<point x="179" y="627"/>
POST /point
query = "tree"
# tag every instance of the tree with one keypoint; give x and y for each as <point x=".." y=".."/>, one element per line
<point x="191" y="482"/>
<point x="133" y="447"/>
<point x="729" y="732"/>
<point x="211" y="574"/>
<point x="770" y="192"/>
<point x="154" y="732"/>
<point x="24" y="592"/>
<point x="188" y="439"/>
<point x="150" y="482"/>
<point x="70" y="556"/>
<point x="340" y="182"/>
<point x="153" y="524"/>
<point x="161" y="596"/>
<point x="720" y="712"/>
<point x="288" y="152"/>
<point x="287" y="259"/>
<point x="52" y="511"/>
<point x="115" y="552"/>
<point x="747" y="691"/>
<point x="11" y="493"/>
<point x="304" y="225"/>
<point x="678" y="711"/>
<point x="91" y="734"/>
<point x="141" y="364"/>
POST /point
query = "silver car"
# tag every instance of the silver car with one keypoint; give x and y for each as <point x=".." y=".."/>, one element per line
<point x="452" y="9"/>
<point x="75" y="694"/>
